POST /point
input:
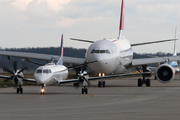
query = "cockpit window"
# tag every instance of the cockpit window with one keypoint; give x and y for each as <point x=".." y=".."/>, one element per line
<point x="107" y="51"/>
<point x="45" y="71"/>
<point x="39" y="71"/>
<point x="100" y="51"/>
<point x="96" y="51"/>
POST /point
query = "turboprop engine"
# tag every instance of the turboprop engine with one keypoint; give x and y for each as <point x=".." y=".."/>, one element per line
<point x="165" y="73"/>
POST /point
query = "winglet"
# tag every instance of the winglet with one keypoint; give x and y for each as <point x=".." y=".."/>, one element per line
<point x="60" y="61"/>
<point x="175" y="46"/>
<point x="121" y="27"/>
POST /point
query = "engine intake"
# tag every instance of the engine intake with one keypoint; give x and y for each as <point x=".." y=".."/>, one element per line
<point x="165" y="73"/>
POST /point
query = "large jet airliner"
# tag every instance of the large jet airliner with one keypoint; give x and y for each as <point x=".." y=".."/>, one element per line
<point x="113" y="57"/>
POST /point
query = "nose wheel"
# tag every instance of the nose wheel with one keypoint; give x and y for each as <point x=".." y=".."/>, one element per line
<point x="42" y="90"/>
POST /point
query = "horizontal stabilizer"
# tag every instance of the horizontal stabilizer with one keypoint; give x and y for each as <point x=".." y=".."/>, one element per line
<point x="82" y="40"/>
<point x="137" y="44"/>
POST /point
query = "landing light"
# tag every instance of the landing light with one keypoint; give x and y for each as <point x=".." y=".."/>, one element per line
<point x="42" y="90"/>
<point x="103" y="74"/>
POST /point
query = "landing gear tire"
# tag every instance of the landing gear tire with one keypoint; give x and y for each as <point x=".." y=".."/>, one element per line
<point x="139" y="82"/>
<point x="104" y="83"/>
<point x="17" y="90"/>
<point x="21" y="90"/>
<point x="155" y="77"/>
<point x="99" y="84"/>
<point x="76" y="84"/>
<point x="84" y="90"/>
<point x="148" y="83"/>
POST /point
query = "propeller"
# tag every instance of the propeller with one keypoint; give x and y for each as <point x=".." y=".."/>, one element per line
<point x="16" y="74"/>
<point x="82" y="76"/>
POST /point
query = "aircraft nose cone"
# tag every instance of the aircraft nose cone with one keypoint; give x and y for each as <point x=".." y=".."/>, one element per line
<point x="103" y="64"/>
<point x="39" y="78"/>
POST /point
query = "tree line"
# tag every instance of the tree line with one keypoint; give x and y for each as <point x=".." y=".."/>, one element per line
<point x="68" y="51"/>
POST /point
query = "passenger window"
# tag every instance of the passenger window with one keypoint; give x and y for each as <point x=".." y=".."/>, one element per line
<point x="39" y="71"/>
<point x="49" y="71"/>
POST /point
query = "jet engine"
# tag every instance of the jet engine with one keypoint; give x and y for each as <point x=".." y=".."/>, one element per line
<point x="165" y="73"/>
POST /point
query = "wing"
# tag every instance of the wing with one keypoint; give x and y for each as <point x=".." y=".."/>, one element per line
<point x="137" y="44"/>
<point x="147" y="61"/>
<point x="29" y="80"/>
<point x="103" y="77"/>
<point x="38" y="56"/>
<point x="24" y="79"/>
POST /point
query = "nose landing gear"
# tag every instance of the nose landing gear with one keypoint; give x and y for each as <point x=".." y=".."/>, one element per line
<point x="101" y="83"/>
<point x="42" y="90"/>
<point x="19" y="89"/>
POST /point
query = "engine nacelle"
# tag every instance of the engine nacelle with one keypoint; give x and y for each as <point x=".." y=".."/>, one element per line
<point x="165" y="73"/>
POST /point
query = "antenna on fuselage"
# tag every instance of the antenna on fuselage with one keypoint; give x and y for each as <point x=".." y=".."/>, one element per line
<point x="60" y="61"/>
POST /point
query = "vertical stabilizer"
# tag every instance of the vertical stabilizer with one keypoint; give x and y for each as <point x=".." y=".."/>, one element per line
<point x="175" y="46"/>
<point x="121" y="26"/>
<point x="60" y="61"/>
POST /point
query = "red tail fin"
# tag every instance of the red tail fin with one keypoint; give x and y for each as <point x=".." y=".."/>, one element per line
<point x="121" y="27"/>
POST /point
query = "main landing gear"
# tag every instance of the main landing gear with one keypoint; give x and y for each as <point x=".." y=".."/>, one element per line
<point x="101" y="83"/>
<point x="19" y="90"/>
<point x="145" y="81"/>
<point x="42" y="90"/>
<point x="84" y="90"/>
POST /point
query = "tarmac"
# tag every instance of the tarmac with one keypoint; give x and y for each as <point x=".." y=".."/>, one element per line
<point x="121" y="99"/>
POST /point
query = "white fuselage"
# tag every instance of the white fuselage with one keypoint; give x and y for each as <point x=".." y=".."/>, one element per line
<point x="112" y="56"/>
<point x="46" y="74"/>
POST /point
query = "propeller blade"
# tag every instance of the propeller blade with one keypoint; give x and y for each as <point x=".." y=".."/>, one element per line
<point x="7" y="79"/>
<point x="18" y="76"/>
<point x="24" y="68"/>
<point x="15" y="65"/>
<point x="6" y="69"/>
<point x="85" y="79"/>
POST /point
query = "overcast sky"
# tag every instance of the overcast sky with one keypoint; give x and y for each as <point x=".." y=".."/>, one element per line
<point x="39" y="23"/>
